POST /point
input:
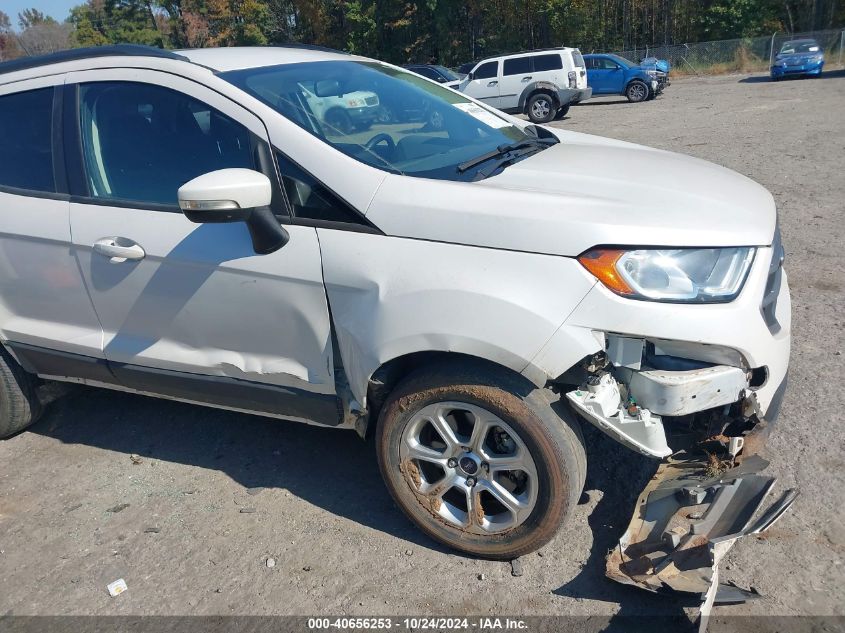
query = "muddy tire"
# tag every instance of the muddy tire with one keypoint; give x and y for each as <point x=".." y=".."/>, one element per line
<point x="19" y="404"/>
<point x="477" y="458"/>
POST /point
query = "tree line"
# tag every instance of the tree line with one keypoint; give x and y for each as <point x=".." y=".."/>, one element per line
<point x="442" y="31"/>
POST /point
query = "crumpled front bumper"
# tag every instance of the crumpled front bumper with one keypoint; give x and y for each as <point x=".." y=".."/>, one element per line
<point x="687" y="519"/>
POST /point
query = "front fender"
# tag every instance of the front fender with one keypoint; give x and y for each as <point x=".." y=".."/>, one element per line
<point x="392" y="296"/>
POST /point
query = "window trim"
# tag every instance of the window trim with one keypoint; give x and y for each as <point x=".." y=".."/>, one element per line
<point x="56" y="150"/>
<point x="362" y="226"/>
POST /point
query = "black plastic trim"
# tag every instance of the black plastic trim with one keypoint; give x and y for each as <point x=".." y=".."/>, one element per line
<point x="57" y="136"/>
<point x="49" y="362"/>
<point x="33" y="193"/>
<point x="232" y="392"/>
<point x="221" y="391"/>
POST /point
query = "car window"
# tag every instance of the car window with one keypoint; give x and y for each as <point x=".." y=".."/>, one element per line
<point x="141" y="142"/>
<point x="547" y="62"/>
<point x="517" y="66"/>
<point x="385" y="117"/>
<point x="309" y="198"/>
<point x="606" y="64"/>
<point x="25" y="139"/>
<point x="577" y="58"/>
<point x="425" y="71"/>
<point x="487" y="70"/>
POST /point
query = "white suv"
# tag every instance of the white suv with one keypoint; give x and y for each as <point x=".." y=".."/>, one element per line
<point x="542" y="83"/>
<point x="185" y="225"/>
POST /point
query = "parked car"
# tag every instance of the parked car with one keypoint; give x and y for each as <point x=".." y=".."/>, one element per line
<point x="356" y="110"/>
<point x="440" y="74"/>
<point x="662" y="68"/>
<point x="185" y="225"/>
<point x="613" y="75"/>
<point x="798" y="58"/>
<point x="542" y="84"/>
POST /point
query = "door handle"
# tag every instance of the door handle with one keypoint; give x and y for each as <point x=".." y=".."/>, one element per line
<point x="492" y="83"/>
<point x="527" y="78"/>
<point x="118" y="249"/>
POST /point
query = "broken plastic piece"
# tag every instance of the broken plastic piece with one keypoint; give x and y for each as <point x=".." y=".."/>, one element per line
<point x="117" y="587"/>
<point x="601" y="404"/>
<point x="684" y="524"/>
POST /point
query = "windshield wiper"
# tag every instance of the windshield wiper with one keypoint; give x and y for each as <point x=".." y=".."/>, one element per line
<point x="506" y="149"/>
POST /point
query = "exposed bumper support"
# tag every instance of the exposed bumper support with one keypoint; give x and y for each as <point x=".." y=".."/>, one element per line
<point x="685" y="522"/>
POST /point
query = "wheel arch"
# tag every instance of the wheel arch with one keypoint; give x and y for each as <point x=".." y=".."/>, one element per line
<point x="545" y="87"/>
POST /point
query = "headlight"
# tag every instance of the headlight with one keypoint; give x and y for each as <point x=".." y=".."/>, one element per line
<point x="652" y="73"/>
<point x="682" y="275"/>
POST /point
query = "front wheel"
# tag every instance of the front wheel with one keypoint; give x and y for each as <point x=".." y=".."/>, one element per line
<point x="541" y="108"/>
<point x="478" y="459"/>
<point x="19" y="403"/>
<point x="636" y="92"/>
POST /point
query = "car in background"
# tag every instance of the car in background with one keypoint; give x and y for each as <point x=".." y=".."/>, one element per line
<point x="798" y="58"/>
<point x="541" y="83"/>
<point x="662" y="66"/>
<point x="609" y="74"/>
<point x="435" y="72"/>
<point x="356" y="110"/>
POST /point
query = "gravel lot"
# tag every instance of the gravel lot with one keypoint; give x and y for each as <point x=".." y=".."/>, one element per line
<point x="215" y="494"/>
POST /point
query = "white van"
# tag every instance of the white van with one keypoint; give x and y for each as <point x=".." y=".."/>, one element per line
<point x="542" y="83"/>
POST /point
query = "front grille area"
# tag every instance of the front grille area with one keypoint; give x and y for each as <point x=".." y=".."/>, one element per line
<point x="770" y="298"/>
<point x="370" y="101"/>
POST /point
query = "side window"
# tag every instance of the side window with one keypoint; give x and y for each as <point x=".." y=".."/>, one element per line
<point x="547" y="62"/>
<point x="26" y="159"/>
<point x="517" y="66"/>
<point x="487" y="70"/>
<point x="309" y="198"/>
<point x="141" y="142"/>
<point x="607" y="64"/>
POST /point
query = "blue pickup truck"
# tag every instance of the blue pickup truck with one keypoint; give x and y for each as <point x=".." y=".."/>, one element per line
<point x="613" y="75"/>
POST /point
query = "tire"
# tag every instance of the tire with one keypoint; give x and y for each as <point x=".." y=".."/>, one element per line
<point x="541" y="108"/>
<point x="637" y="91"/>
<point x="547" y="459"/>
<point x="561" y="112"/>
<point x="363" y="126"/>
<point x="19" y="404"/>
<point x="339" y="119"/>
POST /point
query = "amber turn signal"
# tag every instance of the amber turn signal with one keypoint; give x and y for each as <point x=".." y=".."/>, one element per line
<point x="601" y="262"/>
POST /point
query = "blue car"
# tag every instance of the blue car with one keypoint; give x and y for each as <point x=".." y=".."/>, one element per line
<point x="662" y="66"/>
<point x="613" y="75"/>
<point x="799" y="58"/>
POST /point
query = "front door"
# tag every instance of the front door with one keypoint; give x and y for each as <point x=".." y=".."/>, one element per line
<point x="606" y="76"/>
<point x="191" y="310"/>
<point x="484" y="84"/>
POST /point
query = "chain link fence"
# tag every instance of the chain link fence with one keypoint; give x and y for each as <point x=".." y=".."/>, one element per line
<point x="740" y="55"/>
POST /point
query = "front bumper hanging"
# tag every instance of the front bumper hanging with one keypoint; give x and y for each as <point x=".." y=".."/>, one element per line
<point x="687" y="519"/>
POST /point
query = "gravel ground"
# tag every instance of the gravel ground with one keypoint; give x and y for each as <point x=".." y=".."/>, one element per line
<point x="215" y="494"/>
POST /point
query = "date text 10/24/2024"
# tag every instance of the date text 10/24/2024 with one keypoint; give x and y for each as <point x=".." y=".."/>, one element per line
<point x="416" y="623"/>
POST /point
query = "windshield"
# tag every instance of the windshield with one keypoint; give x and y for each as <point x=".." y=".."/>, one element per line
<point x="625" y="62"/>
<point x="382" y="116"/>
<point x="450" y="76"/>
<point x="799" y="47"/>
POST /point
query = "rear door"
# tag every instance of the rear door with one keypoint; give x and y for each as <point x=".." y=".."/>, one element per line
<point x="44" y="307"/>
<point x="195" y="313"/>
<point x="516" y="76"/>
<point x="484" y="84"/>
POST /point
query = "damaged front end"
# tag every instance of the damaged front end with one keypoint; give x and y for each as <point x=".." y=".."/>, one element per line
<point x="699" y="413"/>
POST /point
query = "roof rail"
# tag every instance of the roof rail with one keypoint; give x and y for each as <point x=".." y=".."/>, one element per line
<point x="117" y="50"/>
<point x="310" y="47"/>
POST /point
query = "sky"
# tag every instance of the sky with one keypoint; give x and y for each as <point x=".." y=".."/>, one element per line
<point x="58" y="9"/>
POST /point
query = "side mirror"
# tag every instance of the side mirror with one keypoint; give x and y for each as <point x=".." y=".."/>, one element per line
<point x="235" y="195"/>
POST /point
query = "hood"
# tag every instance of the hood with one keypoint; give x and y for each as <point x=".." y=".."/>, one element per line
<point x="583" y="192"/>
